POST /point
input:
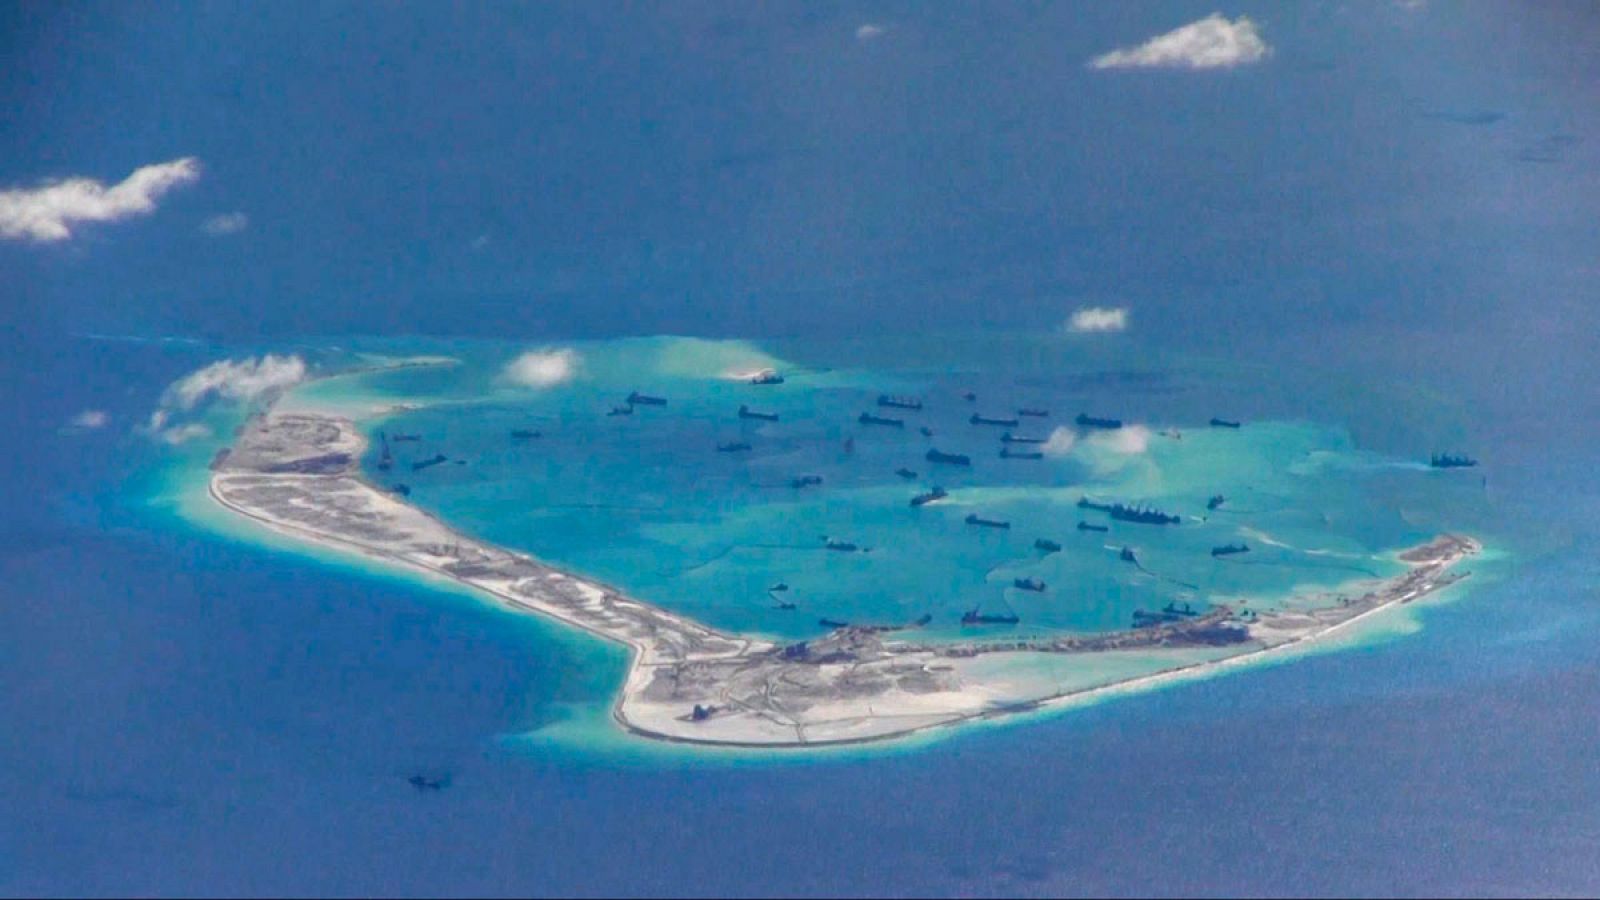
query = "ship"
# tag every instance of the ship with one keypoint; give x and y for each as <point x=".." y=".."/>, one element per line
<point x="1125" y="513"/>
<point x="625" y="410"/>
<point x="402" y="438"/>
<point x="1009" y="438"/>
<point x="934" y="493"/>
<point x="975" y="519"/>
<point x="1451" y="461"/>
<point x="1087" y="421"/>
<point x="952" y="459"/>
<point x="1172" y="612"/>
<point x="926" y="431"/>
<point x="733" y="447"/>
<point x="841" y="546"/>
<point x="899" y="402"/>
<point x="786" y="606"/>
<point x="523" y="434"/>
<point x="1028" y="584"/>
<point x="1230" y="549"/>
<point x="870" y="419"/>
<point x="385" y="461"/>
<point x="1127" y="555"/>
<point x="426" y="463"/>
<point x="746" y="412"/>
<point x="1216" y="501"/>
<point x="403" y="490"/>
<point x="970" y="397"/>
<point x="1035" y="413"/>
<point x="1047" y="545"/>
<point x="801" y="481"/>
<point x="832" y="623"/>
<point x="1223" y="423"/>
<point x="780" y="586"/>
<point x="1085" y="526"/>
<point x="767" y="376"/>
<point x="638" y="399"/>
<point x="973" y="617"/>
<point x="985" y="420"/>
<point x="1008" y="453"/>
<point x="907" y="474"/>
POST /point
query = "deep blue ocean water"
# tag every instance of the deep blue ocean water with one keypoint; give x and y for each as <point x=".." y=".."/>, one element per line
<point x="188" y="711"/>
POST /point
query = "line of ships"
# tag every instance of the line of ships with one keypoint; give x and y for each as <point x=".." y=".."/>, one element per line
<point x="1116" y="511"/>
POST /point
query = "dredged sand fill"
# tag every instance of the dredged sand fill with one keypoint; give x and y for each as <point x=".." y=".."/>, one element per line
<point x="297" y="472"/>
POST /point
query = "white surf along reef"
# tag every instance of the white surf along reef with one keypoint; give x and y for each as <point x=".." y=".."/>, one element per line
<point x="296" y="471"/>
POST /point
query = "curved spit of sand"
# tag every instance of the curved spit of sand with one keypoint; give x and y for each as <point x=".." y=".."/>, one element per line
<point x="297" y="473"/>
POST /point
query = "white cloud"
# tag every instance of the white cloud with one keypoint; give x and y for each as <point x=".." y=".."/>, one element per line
<point x="1127" y="440"/>
<point x="241" y="380"/>
<point x="89" y="419"/>
<point x="1090" y="319"/>
<point x="543" y="368"/>
<point x="225" y="223"/>
<point x="182" y="434"/>
<point x="1211" y="43"/>
<point x="47" y="212"/>
<point x="869" y="31"/>
<point x="1060" y="442"/>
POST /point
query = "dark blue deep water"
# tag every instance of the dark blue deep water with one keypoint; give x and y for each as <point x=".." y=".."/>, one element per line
<point x="1404" y="191"/>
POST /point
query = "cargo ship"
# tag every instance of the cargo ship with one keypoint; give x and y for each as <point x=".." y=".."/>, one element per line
<point x="1172" y="612"/>
<point x="1230" y="549"/>
<point x="523" y="434"/>
<point x="934" y="493"/>
<point x="1085" y="526"/>
<point x="746" y="412"/>
<point x="899" y="402"/>
<point x="767" y="376"/>
<point x="1216" y="501"/>
<point x="840" y="546"/>
<point x="1125" y="513"/>
<point x="385" y="460"/>
<point x="403" y="490"/>
<point x="1087" y="421"/>
<point x="1223" y="423"/>
<point x="638" y="399"/>
<point x="926" y="431"/>
<point x="626" y="410"/>
<point x="832" y="623"/>
<point x="952" y="459"/>
<point x="1451" y="461"/>
<point x="1035" y="413"/>
<point x="801" y="481"/>
<point x="973" y="617"/>
<point x="980" y="521"/>
<point x="970" y="397"/>
<point x="907" y="474"/>
<point x="1047" y="545"/>
<point x="870" y="419"/>
<point x="403" y="438"/>
<point x="1008" y="453"/>
<point x="428" y="463"/>
<point x="733" y="447"/>
<point x="1028" y="584"/>
<point x="1127" y="556"/>
<point x="985" y="420"/>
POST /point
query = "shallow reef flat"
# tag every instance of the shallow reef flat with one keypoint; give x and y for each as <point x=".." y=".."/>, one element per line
<point x="297" y="472"/>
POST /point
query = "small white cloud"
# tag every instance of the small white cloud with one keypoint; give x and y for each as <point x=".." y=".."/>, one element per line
<point x="1127" y="440"/>
<point x="225" y="223"/>
<point x="47" y="212"/>
<point x="235" y="380"/>
<point x="869" y="31"/>
<point x="1211" y="43"/>
<point x="1060" y="442"/>
<point x="182" y="434"/>
<point x="1090" y="319"/>
<point x="89" y="420"/>
<point x="543" y="368"/>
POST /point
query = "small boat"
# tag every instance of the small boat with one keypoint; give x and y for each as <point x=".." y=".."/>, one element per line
<point x="780" y="586"/>
<point x="733" y="447"/>
<point x="840" y="546"/>
<point x="1028" y="584"/>
<point x="625" y="410"/>
<point x="832" y="623"/>
<point x="1216" y="501"/>
<point x="1127" y="556"/>
<point x="786" y="606"/>
<point x="801" y="481"/>
<point x="1230" y="549"/>
<point x="970" y="397"/>
<point x="767" y="376"/>
<point x="907" y="474"/>
<point x="1223" y="423"/>
<point x="926" y="431"/>
<point x="746" y="412"/>
<point x="523" y="434"/>
<point x="385" y="461"/>
<point x="638" y="399"/>
<point x="1086" y="526"/>
<point x="1046" y="545"/>
<point x="870" y="419"/>
<point x="403" y="490"/>
<point x="975" y="519"/>
<point x="428" y="463"/>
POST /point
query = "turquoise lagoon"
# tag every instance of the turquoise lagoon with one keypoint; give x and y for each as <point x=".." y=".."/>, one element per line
<point x="647" y="503"/>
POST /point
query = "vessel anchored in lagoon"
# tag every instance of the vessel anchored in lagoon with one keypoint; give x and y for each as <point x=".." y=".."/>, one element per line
<point x="870" y="419"/>
<point x="1230" y="549"/>
<point x="1451" y="461"/>
<point x="974" y="617"/>
<point x="949" y="459"/>
<point x="1008" y="453"/>
<point x="1223" y="423"/>
<point x="934" y="493"/>
<point x="976" y="419"/>
<point x="980" y="521"/>
<point x="1009" y="438"/>
<point x="1028" y="584"/>
<point x="767" y="376"/>
<point x="1087" y="421"/>
<point x="1085" y="526"/>
<point x="893" y="402"/>
<point x="638" y="399"/>
<point x="1125" y="513"/>
<point x="746" y="412"/>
